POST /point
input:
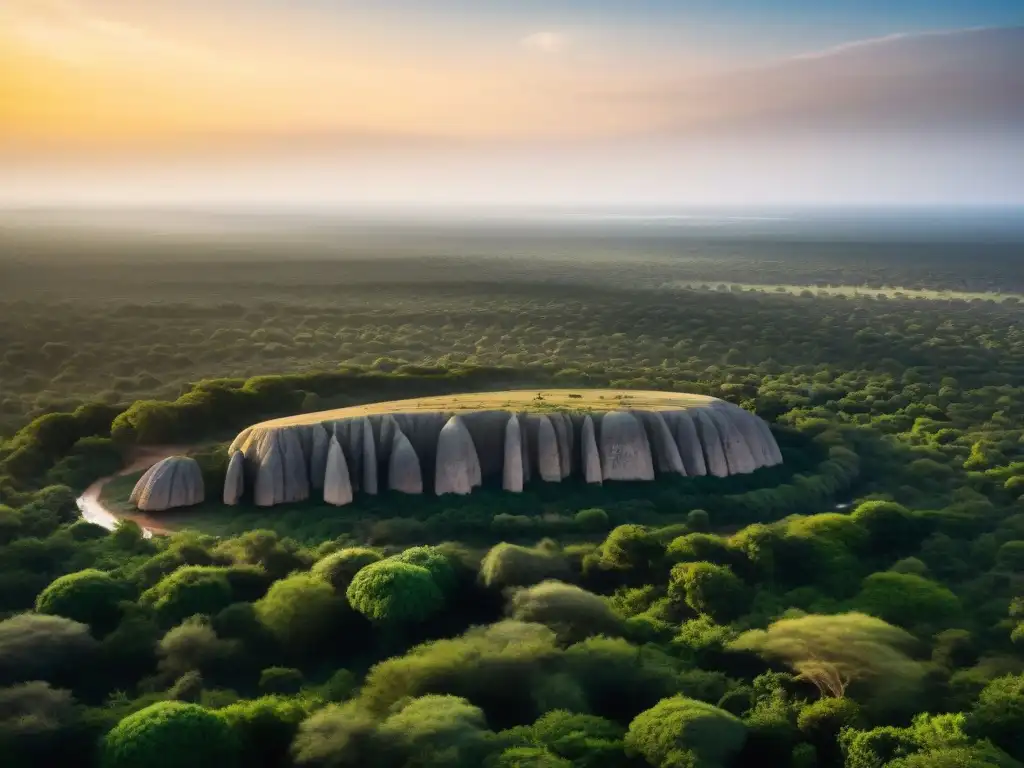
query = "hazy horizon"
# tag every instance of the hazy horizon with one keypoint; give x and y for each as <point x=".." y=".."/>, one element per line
<point x="408" y="103"/>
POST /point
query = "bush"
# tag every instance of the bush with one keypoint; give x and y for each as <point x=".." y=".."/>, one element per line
<point x="593" y="519"/>
<point x="394" y="592"/>
<point x="907" y="600"/>
<point x="709" y="589"/>
<point x="189" y="591"/>
<point x="283" y="680"/>
<point x="339" y="568"/>
<point x="680" y="731"/>
<point x="301" y="611"/>
<point x="170" y="734"/>
<point x="264" y="728"/>
<point x="90" y="597"/>
<point x="572" y="613"/>
<point x="509" y="565"/>
<point x="37" y="647"/>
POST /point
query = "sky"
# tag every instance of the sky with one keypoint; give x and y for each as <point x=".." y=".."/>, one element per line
<point x="633" y="102"/>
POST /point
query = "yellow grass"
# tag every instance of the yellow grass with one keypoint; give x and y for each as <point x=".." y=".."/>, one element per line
<point x="512" y="400"/>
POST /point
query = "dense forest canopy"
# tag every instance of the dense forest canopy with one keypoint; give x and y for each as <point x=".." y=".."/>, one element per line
<point x="861" y="606"/>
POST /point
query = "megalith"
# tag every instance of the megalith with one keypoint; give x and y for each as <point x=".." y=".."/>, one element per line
<point x="549" y="464"/>
<point x="737" y="452"/>
<point x="666" y="453"/>
<point x="176" y="481"/>
<point x="589" y="453"/>
<point x="369" y="484"/>
<point x="711" y="442"/>
<point x="404" y="473"/>
<point x="318" y="456"/>
<point x="458" y="467"/>
<point x="337" y="481"/>
<point x="234" y="479"/>
<point x="688" y="443"/>
<point x="512" y="469"/>
<point x="625" y="451"/>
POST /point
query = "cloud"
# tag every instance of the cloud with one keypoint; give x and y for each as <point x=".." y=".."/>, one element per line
<point x="951" y="82"/>
<point x="548" y="42"/>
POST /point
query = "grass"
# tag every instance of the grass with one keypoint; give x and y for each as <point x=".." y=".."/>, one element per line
<point x="516" y="400"/>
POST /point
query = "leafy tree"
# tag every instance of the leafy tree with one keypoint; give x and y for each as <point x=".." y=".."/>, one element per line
<point x="394" y="592"/>
<point x="572" y="613"/>
<point x="337" y="736"/>
<point x="907" y="600"/>
<point x="998" y="714"/>
<point x="708" y="589"/>
<point x="434" y="561"/>
<point x="281" y="680"/>
<point x="593" y="519"/>
<point x="40" y="725"/>
<point x="436" y="731"/>
<point x="679" y="732"/>
<point x="170" y="734"/>
<point x="90" y="597"/>
<point x="509" y="565"/>
<point x="585" y="740"/>
<point x="891" y="527"/>
<point x="189" y="591"/>
<point x="193" y="645"/>
<point x="265" y="728"/>
<point x="831" y="652"/>
<point x="821" y="721"/>
<point x="339" y="568"/>
<point x="37" y="646"/>
<point x="300" y="611"/>
<point x="528" y="757"/>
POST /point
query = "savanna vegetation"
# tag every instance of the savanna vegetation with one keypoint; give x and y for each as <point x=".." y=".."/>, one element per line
<point x="860" y="607"/>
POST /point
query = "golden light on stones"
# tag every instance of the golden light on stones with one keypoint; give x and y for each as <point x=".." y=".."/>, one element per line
<point x="454" y="444"/>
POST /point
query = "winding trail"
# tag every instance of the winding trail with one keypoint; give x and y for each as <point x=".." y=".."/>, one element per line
<point x="93" y="509"/>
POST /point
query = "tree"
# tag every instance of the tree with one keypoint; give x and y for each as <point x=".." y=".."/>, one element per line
<point x="436" y="731"/>
<point x="832" y="652"/>
<point x="300" y="611"/>
<point x="170" y="734"/>
<point x="891" y="527"/>
<point x="265" y="728"/>
<point x="509" y="565"/>
<point x="679" y="732"/>
<point x="339" y="568"/>
<point x="709" y="589"/>
<point x="998" y="714"/>
<point x="337" y="736"/>
<point x="821" y="721"/>
<point x="435" y="561"/>
<point x="40" y="725"/>
<point x="37" y="646"/>
<point x="529" y="757"/>
<point x="630" y="548"/>
<point x="90" y="597"/>
<point x="193" y="645"/>
<point x="907" y="600"/>
<point x="394" y="592"/>
<point x="189" y="591"/>
<point x="572" y="613"/>
<point x="586" y="740"/>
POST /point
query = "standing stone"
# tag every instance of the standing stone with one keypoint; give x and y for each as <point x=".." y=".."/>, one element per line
<point x="404" y="473"/>
<point x="458" y="467"/>
<point x="588" y="449"/>
<point x="746" y="423"/>
<point x="269" y="488"/>
<point x="525" y="444"/>
<point x="625" y="451"/>
<point x="512" y="469"/>
<point x="666" y="453"/>
<point x="369" y="458"/>
<point x="337" y="482"/>
<point x="318" y="456"/>
<point x="176" y="481"/>
<point x="737" y="452"/>
<point x="549" y="464"/>
<point x="688" y="443"/>
<point x="769" y="440"/>
<point x="563" y="428"/>
<point x="711" y="442"/>
<point x="234" y="480"/>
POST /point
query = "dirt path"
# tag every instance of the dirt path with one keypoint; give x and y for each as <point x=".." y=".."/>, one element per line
<point x="95" y="511"/>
